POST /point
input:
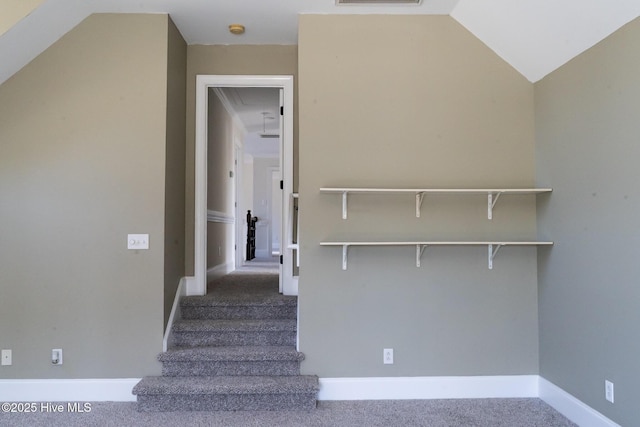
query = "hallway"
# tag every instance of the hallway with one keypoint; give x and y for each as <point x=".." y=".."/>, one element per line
<point x="259" y="266"/>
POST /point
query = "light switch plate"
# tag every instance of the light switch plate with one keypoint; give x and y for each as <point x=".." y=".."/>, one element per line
<point x="137" y="241"/>
<point x="56" y="356"/>
<point x="608" y="390"/>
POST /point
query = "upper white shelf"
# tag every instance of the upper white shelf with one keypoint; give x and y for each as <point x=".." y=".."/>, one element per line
<point x="492" y="194"/>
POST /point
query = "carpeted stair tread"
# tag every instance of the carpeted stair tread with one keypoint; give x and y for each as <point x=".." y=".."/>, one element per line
<point x="238" y="299"/>
<point x="241" y="325"/>
<point x="240" y="307"/>
<point x="273" y="385"/>
<point x="232" y="354"/>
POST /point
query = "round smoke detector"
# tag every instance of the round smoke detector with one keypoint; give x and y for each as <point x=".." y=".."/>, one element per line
<point x="236" y="29"/>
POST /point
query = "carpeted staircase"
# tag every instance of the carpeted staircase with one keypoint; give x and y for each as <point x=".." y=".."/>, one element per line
<point x="234" y="349"/>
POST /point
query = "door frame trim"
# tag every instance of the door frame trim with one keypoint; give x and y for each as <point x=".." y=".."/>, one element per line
<point x="203" y="82"/>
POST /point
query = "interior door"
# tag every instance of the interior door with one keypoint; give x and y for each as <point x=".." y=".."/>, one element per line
<point x="284" y="256"/>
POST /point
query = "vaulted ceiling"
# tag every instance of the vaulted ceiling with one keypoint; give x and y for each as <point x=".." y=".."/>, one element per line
<point x="534" y="36"/>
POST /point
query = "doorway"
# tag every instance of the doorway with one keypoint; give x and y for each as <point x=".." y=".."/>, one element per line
<point x="288" y="282"/>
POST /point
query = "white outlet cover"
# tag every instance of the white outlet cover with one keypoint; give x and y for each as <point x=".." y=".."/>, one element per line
<point x="5" y="358"/>
<point x="387" y="356"/>
<point x="137" y="241"/>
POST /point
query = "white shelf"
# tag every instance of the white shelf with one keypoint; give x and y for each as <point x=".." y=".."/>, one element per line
<point x="492" y="247"/>
<point x="492" y="194"/>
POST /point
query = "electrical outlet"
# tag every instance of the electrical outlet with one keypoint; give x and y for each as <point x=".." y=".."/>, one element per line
<point x="56" y="356"/>
<point x="5" y="358"/>
<point x="608" y="390"/>
<point x="387" y="354"/>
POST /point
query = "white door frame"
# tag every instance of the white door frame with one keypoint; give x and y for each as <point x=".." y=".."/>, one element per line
<point x="270" y="172"/>
<point x="198" y="286"/>
<point x="239" y="207"/>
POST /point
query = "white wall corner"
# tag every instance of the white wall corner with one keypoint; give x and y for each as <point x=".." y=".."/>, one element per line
<point x="571" y="407"/>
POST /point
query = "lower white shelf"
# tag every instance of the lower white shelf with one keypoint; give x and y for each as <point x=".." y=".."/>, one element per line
<point x="492" y="247"/>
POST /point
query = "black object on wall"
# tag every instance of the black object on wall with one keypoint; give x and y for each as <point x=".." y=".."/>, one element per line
<point x="251" y="235"/>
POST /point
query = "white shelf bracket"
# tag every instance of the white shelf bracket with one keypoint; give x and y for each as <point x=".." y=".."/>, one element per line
<point x="345" y="252"/>
<point x="491" y="202"/>
<point x="492" y="254"/>
<point x="419" y="251"/>
<point x="419" y="199"/>
<point x="344" y="206"/>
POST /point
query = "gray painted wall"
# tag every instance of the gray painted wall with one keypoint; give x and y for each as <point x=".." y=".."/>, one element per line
<point x="82" y="163"/>
<point x="175" y="166"/>
<point x="587" y="132"/>
<point x="413" y="101"/>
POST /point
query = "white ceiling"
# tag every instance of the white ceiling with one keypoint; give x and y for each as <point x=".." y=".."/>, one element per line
<point x="538" y="36"/>
<point x="257" y="109"/>
<point x="534" y="36"/>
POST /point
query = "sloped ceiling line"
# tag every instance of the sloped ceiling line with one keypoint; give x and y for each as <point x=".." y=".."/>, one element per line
<point x="533" y="36"/>
<point x="538" y="36"/>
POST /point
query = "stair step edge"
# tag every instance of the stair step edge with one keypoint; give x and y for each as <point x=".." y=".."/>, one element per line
<point x="231" y="354"/>
<point x="298" y="384"/>
<point x="247" y="325"/>
<point x="231" y="302"/>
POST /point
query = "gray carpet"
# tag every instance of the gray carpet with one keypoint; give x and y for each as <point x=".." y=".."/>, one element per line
<point x="432" y="413"/>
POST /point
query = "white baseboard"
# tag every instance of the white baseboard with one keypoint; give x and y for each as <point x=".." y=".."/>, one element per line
<point x="571" y="407"/>
<point x="175" y="313"/>
<point x="389" y="388"/>
<point x="191" y="286"/>
<point x="293" y="288"/>
<point x="219" y="271"/>
<point x="71" y="390"/>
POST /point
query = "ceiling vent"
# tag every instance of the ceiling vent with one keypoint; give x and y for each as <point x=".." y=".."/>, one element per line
<point x="378" y="2"/>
